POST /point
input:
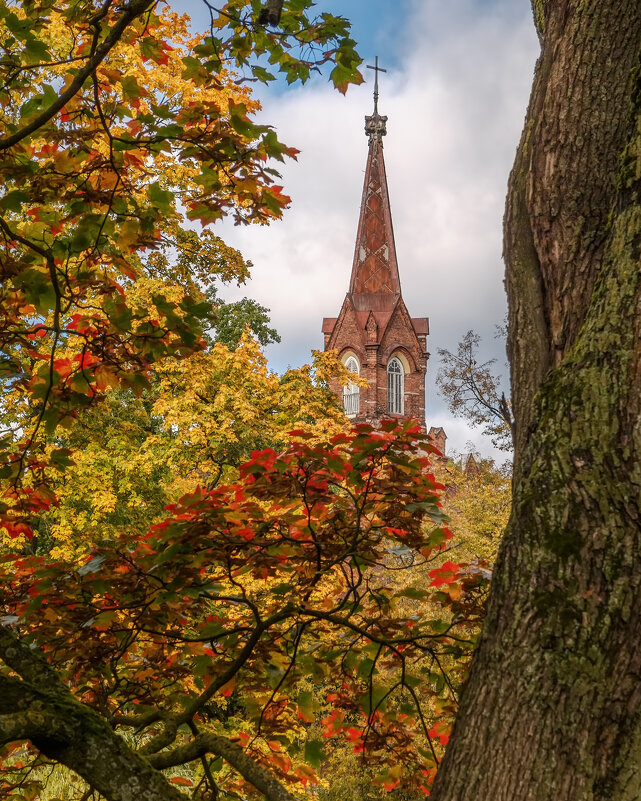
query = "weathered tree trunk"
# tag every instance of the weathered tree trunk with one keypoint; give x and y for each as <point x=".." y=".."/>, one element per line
<point x="552" y="707"/>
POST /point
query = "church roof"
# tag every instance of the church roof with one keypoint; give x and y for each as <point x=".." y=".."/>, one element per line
<point x="375" y="282"/>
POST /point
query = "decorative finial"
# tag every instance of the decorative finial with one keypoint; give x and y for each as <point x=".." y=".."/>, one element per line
<point x="375" y="125"/>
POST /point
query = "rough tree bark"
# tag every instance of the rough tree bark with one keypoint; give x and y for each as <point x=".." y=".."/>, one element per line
<point x="552" y="708"/>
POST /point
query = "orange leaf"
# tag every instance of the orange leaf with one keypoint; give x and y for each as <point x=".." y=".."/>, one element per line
<point x="181" y="780"/>
<point x="16" y="529"/>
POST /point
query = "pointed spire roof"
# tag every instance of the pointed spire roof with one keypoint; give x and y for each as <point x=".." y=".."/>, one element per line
<point x="375" y="282"/>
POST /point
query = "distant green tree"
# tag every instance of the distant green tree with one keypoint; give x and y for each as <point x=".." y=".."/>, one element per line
<point x="231" y="320"/>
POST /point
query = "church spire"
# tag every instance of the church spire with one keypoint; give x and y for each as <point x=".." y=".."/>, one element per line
<point x="375" y="282"/>
<point x="374" y="334"/>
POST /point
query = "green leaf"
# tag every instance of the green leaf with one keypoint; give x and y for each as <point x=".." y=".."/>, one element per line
<point x="307" y="705"/>
<point x="208" y="179"/>
<point x="37" y="289"/>
<point x="13" y="201"/>
<point x="365" y="667"/>
<point x="349" y="663"/>
<point x="244" y="127"/>
<point x="130" y="87"/>
<point x="341" y="77"/>
<point x="314" y="752"/>
<point x="120" y="315"/>
<point x="412" y="592"/>
<point x="35" y="51"/>
<point x="61" y="458"/>
<point x="439" y="626"/>
<point x="262" y="74"/>
<point x="151" y="48"/>
<point x="9" y="368"/>
<point x="282" y="589"/>
<point x="120" y="144"/>
<point x="204" y="212"/>
<point x="17" y="26"/>
<point x="370" y="702"/>
<point x="194" y="70"/>
<point x="160" y="197"/>
<point x="298" y="5"/>
<point x="160" y="111"/>
<point x="51" y="418"/>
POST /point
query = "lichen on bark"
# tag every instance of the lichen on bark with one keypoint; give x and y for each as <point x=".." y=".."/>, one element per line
<point x="539" y="17"/>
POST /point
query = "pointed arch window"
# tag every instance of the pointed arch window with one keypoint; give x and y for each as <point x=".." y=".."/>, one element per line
<point x="395" y="387"/>
<point x="351" y="392"/>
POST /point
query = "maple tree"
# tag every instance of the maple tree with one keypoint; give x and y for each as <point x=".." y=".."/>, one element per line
<point x="200" y="418"/>
<point x="197" y="636"/>
<point x="477" y="501"/>
<point x="115" y="118"/>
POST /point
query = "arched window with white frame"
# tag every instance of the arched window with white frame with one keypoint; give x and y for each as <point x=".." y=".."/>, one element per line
<point x="395" y="386"/>
<point x="351" y="392"/>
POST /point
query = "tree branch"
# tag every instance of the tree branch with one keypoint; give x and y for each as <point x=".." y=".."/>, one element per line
<point x="134" y="10"/>
<point x="69" y="732"/>
<point x="28" y="663"/>
<point x="231" y="753"/>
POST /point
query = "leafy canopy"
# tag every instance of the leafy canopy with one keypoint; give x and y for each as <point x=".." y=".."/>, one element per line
<point x="199" y="420"/>
<point x="197" y="639"/>
<point x="219" y="618"/>
<point x="114" y="120"/>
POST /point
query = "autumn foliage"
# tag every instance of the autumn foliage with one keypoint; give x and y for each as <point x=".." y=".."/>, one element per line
<point x="232" y="614"/>
<point x="273" y="605"/>
<point x="116" y="119"/>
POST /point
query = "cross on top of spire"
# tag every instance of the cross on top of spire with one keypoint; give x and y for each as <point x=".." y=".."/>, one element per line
<point x="375" y="125"/>
<point x="376" y="69"/>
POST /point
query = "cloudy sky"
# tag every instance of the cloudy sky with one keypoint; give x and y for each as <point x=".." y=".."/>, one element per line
<point x="455" y="93"/>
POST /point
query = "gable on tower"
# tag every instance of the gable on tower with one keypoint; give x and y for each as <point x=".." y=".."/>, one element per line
<point x="374" y="326"/>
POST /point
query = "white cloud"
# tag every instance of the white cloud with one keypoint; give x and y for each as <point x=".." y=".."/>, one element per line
<point x="456" y="107"/>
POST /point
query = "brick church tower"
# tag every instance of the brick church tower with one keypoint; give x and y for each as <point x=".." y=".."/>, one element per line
<point x="374" y="333"/>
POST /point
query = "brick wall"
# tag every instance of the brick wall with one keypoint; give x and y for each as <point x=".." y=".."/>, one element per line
<point x="398" y="338"/>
